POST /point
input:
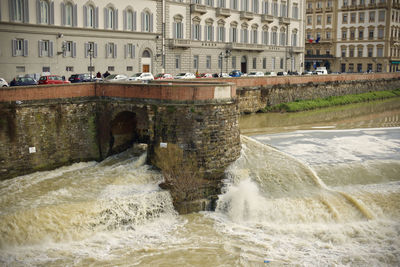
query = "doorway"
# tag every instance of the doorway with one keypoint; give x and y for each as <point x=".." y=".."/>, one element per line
<point x="243" y="64"/>
<point x="146" y="61"/>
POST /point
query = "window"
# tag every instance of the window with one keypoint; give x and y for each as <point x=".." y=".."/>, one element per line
<point x="177" y="62"/>
<point x="328" y="35"/>
<point x="91" y="49"/>
<point x="360" y="51"/>
<point x="219" y="62"/>
<point x="319" y="4"/>
<point x="209" y="32"/>
<point x="273" y="63"/>
<point x="68" y="14"/>
<point x="111" y="50"/>
<point x="45" y="48"/>
<point x="329" y="19"/>
<point x="283" y="9"/>
<point x="147" y="22"/>
<point x="381" y="33"/>
<point x="130" y="50"/>
<point x="372" y="16"/>
<point x="110" y="18"/>
<point x="371" y="34"/>
<point x="351" y="67"/>
<point x="19" y="47"/>
<point x="254" y="63"/>
<point x="274" y="37"/>
<point x="20" y="68"/>
<point x="129" y="68"/>
<point x="351" y="52"/>
<point x="208" y="62"/>
<point x="352" y="34"/>
<point x="47" y="69"/>
<point x="233" y="35"/>
<point x="69" y="49"/>
<point x="282" y="38"/>
<point x="254" y="36"/>
<point x="360" y="34"/>
<point x="221" y="3"/>
<point x="196" y="62"/>
<point x="344" y="34"/>
<point x="359" y="67"/>
<point x="319" y="20"/>
<point x="233" y="62"/>
<point x="177" y="29"/>
<point x="255" y="6"/>
<point x="344" y="51"/>
<point x="281" y="63"/>
<point x="234" y="4"/>
<point x="196" y="31"/>
<point x="295" y="11"/>
<point x="294" y="38"/>
<point x="265" y="7"/>
<point x="111" y="68"/>
<point x="344" y="18"/>
<point x="264" y="63"/>
<point x="381" y="16"/>
<point x="353" y="17"/>
<point x="309" y="20"/>
<point x="45" y="12"/>
<point x="130" y="20"/>
<point x="379" y="52"/>
<point x="329" y="3"/>
<point x="275" y="8"/>
<point x="221" y="33"/>
<point x="245" y="36"/>
<point x="90" y="16"/>
<point x="265" y="35"/>
<point x="379" y="67"/>
<point x="361" y="17"/>
<point x="19" y="11"/>
<point x="69" y="68"/>
<point x="209" y="2"/>
<point x="370" y="51"/>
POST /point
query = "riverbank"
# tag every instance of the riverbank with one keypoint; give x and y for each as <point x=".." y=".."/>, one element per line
<point x="303" y="105"/>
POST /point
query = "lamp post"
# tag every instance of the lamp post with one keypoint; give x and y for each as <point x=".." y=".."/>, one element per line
<point x="221" y="57"/>
<point x="90" y="52"/>
<point x="227" y="55"/>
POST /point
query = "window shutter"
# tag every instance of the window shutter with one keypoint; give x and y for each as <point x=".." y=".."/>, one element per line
<point x="86" y="49"/>
<point x="133" y="51"/>
<point x="26" y="11"/>
<point x="74" y="49"/>
<point x="199" y="32"/>
<point x="116" y="19"/>
<point x="223" y="35"/>
<point x="142" y="21"/>
<point x="96" y="16"/>
<point x="205" y="33"/>
<point x="11" y="6"/>
<point x="126" y="51"/>
<point x="193" y="31"/>
<point x="37" y="11"/>
<point x="124" y="18"/>
<point x="212" y="33"/>
<point x="14" y="47"/>
<point x="182" y="31"/>
<point x="52" y="13"/>
<point x="62" y="14"/>
<point x="95" y="50"/>
<point x="105" y="18"/>
<point x="134" y="21"/>
<point x="151" y="22"/>
<point x="174" y="30"/>
<point x="64" y="46"/>
<point x="51" y="45"/>
<point x="115" y="51"/>
<point x="84" y="16"/>
<point x="75" y="16"/>
<point x="25" y="48"/>
<point x="40" y="48"/>
<point x="106" y="50"/>
<point x="230" y="35"/>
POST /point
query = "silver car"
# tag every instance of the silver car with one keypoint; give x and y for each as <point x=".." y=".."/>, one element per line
<point x="3" y="83"/>
<point x="141" y="76"/>
<point x="116" y="78"/>
<point x="185" y="75"/>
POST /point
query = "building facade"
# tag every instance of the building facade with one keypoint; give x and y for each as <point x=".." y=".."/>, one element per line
<point x="365" y="36"/>
<point x="68" y="36"/>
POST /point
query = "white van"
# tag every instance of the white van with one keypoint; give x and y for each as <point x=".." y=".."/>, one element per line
<point x="321" y="70"/>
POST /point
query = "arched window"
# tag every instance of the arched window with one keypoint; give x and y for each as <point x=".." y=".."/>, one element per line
<point x="209" y="30"/>
<point x="17" y="11"/>
<point x="68" y="14"/>
<point x="254" y="34"/>
<point x="109" y="18"/>
<point x="282" y="37"/>
<point x="221" y="31"/>
<point x="177" y="27"/>
<point x="130" y="20"/>
<point x="244" y="33"/>
<point x="146" y="53"/>
<point x="233" y="32"/>
<point x="196" y="28"/>
<point x="44" y="12"/>
<point x="265" y="35"/>
<point x="90" y="16"/>
<point x="274" y="36"/>
<point x="294" y="37"/>
<point x="147" y="21"/>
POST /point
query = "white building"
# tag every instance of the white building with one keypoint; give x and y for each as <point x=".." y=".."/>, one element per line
<point x="65" y="37"/>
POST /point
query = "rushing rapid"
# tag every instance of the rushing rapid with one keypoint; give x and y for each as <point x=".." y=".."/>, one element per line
<point x="315" y="197"/>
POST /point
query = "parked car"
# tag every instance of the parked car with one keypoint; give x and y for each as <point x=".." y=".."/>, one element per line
<point x="115" y="78"/>
<point x="22" y="81"/>
<point x="79" y="78"/>
<point x="141" y="76"/>
<point x="235" y="73"/>
<point x="255" y="74"/>
<point x="205" y="75"/>
<point x="163" y="76"/>
<point x="321" y="71"/>
<point x="3" y="83"/>
<point x="221" y="75"/>
<point x="282" y="73"/>
<point x="185" y="75"/>
<point x="270" y="73"/>
<point x="52" y="79"/>
<point x="307" y="72"/>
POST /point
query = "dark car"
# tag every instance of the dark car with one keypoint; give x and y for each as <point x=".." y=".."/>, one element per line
<point x="235" y="73"/>
<point x="22" y="81"/>
<point x="79" y="78"/>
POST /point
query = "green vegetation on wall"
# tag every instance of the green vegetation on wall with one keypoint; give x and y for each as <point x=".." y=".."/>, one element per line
<point x="302" y="105"/>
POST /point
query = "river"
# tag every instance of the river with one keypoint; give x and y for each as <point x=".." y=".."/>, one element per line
<point x="318" y="188"/>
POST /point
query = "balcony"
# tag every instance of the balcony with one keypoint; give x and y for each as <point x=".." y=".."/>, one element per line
<point x="361" y="6"/>
<point x="180" y="43"/>
<point x="246" y="15"/>
<point x="200" y="9"/>
<point x="352" y="7"/>
<point x="247" y="47"/>
<point x="223" y="12"/>
<point x="267" y="18"/>
<point x="345" y="7"/>
<point x="318" y="10"/>
<point x="296" y="49"/>
<point x="284" y="20"/>
<point x="319" y="56"/>
<point x="382" y="5"/>
<point x="373" y="5"/>
<point x="329" y="9"/>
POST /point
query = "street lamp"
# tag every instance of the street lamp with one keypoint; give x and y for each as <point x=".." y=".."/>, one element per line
<point x="90" y="52"/>
<point x="221" y="56"/>
<point x="225" y="55"/>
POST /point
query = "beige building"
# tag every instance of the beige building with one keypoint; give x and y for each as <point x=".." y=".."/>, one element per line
<point x="364" y="37"/>
<point x="128" y="36"/>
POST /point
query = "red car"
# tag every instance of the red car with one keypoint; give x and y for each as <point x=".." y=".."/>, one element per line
<point x="205" y="75"/>
<point x="52" y="79"/>
<point x="163" y="76"/>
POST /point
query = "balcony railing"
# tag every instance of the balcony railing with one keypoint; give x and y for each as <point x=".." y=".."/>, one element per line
<point x="318" y="10"/>
<point x="371" y="5"/>
<point x="382" y="5"/>
<point x="309" y="10"/>
<point x="224" y="12"/>
<point x="247" y="47"/>
<point x="352" y="7"/>
<point x="361" y="6"/>
<point x="196" y="8"/>
<point x="319" y="56"/>
<point x="267" y="18"/>
<point x="328" y="9"/>
<point x="246" y="15"/>
<point x="180" y="43"/>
